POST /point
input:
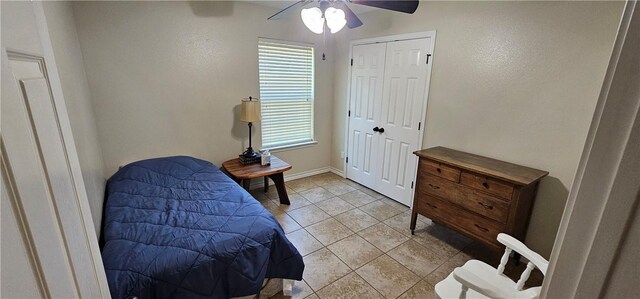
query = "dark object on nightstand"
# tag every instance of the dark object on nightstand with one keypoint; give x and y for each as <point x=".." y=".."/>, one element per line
<point x="477" y="196"/>
<point x="244" y="173"/>
<point x="249" y="159"/>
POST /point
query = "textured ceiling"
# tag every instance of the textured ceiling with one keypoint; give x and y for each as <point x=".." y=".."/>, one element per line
<point x="277" y="5"/>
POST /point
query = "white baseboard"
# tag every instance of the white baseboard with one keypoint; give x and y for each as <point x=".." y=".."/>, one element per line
<point x="259" y="183"/>
<point x="337" y="171"/>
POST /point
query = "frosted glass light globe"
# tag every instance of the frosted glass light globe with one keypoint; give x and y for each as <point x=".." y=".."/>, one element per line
<point x="335" y="19"/>
<point x="312" y="18"/>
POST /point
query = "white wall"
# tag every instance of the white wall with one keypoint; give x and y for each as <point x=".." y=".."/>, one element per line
<point x="68" y="56"/>
<point x="167" y="78"/>
<point x="516" y="81"/>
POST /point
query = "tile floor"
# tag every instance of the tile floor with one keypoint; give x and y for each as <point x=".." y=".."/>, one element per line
<point x="356" y="243"/>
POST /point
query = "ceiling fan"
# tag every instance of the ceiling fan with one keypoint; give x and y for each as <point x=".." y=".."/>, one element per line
<point x="338" y="14"/>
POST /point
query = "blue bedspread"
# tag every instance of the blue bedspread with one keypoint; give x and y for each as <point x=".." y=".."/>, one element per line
<point x="178" y="227"/>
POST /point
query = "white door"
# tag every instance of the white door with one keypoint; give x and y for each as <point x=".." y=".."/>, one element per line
<point x="49" y="246"/>
<point x="364" y="109"/>
<point x="403" y="106"/>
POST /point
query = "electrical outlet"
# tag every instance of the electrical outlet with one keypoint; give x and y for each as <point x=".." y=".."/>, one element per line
<point x="342" y="155"/>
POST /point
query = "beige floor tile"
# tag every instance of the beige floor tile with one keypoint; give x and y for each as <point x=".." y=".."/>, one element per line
<point x="350" y="286"/>
<point x="380" y="210"/>
<point x="383" y="237"/>
<point x="325" y="178"/>
<point x="355" y="251"/>
<point x="301" y="184"/>
<point x="357" y="198"/>
<point x="329" y="231"/>
<point x="304" y="241"/>
<point x="272" y="207"/>
<point x="273" y="192"/>
<point x="334" y="206"/>
<point x="446" y="248"/>
<point x="259" y="195"/>
<point x="322" y="268"/>
<point x="395" y="204"/>
<point x="401" y="223"/>
<point x="417" y="258"/>
<point x="387" y="276"/>
<point x="287" y="223"/>
<point x="312" y="296"/>
<point x="338" y="188"/>
<point x="441" y="273"/>
<point x="316" y="194"/>
<point x="296" y="200"/>
<point x="352" y="184"/>
<point x="421" y="290"/>
<point x="356" y="220"/>
<point x="372" y="193"/>
<point x="308" y="215"/>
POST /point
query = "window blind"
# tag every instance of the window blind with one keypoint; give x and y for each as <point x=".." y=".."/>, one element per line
<point x="286" y="93"/>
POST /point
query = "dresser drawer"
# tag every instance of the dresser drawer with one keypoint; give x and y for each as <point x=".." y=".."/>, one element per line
<point x="439" y="170"/>
<point x="465" y="221"/>
<point x="465" y="197"/>
<point x="493" y="186"/>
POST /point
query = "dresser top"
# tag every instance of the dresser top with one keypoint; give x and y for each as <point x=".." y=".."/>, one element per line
<point x="513" y="173"/>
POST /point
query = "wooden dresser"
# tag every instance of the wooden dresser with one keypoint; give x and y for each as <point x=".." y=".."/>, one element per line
<point x="474" y="195"/>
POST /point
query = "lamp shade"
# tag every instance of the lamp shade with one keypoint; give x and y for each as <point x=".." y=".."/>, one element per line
<point x="250" y="110"/>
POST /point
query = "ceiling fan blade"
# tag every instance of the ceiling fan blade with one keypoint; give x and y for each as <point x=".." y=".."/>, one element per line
<point x="281" y="14"/>
<point x="399" y="5"/>
<point x="352" y="20"/>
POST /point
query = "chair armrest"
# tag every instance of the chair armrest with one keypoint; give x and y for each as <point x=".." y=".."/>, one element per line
<point x="523" y="250"/>
<point x="476" y="283"/>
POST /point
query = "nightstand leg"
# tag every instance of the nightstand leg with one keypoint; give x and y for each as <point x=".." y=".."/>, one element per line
<point x="266" y="184"/>
<point x="278" y="180"/>
<point x="246" y="184"/>
<point x="414" y="218"/>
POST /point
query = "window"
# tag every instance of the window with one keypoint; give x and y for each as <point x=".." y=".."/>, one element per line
<point x="286" y="93"/>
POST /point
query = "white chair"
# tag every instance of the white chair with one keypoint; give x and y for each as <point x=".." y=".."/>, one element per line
<point x="476" y="279"/>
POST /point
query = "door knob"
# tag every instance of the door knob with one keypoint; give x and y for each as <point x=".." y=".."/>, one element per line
<point x="376" y="129"/>
<point x="381" y="130"/>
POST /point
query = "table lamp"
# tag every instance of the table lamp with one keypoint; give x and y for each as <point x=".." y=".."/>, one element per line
<point x="250" y="113"/>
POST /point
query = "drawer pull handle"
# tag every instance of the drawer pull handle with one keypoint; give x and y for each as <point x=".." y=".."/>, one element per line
<point x="434" y="187"/>
<point x="485" y="184"/>
<point x="431" y="205"/>
<point x="438" y="170"/>
<point x="486" y="206"/>
<point x="481" y="228"/>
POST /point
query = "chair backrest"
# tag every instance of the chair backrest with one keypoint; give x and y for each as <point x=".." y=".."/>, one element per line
<point x="535" y="260"/>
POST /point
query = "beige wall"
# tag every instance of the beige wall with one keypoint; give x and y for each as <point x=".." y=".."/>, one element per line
<point x="516" y="81"/>
<point x="75" y="88"/>
<point x="167" y="78"/>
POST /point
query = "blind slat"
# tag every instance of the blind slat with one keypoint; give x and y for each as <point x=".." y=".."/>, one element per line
<point x="286" y="92"/>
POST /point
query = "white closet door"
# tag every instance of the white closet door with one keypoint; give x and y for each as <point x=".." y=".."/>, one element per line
<point x="366" y="100"/>
<point x="404" y="100"/>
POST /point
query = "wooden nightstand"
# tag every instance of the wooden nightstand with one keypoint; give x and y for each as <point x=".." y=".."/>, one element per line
<point x="275" y="171"/>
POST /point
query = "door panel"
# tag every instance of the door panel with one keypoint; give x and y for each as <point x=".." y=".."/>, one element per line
<point x="366" y="97"/>
<point x="45" y="188"/>
<point x="404" y="94"/>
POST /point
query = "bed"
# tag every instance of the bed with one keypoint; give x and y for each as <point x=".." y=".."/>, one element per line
<point x="178" y="227"/>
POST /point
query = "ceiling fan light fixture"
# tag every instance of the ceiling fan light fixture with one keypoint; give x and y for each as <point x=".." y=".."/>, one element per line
<point x="336" y="19"/>
<point x="312" y="18"/>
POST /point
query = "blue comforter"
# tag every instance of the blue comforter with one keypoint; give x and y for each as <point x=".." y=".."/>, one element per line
<point x="178" y="227"/>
